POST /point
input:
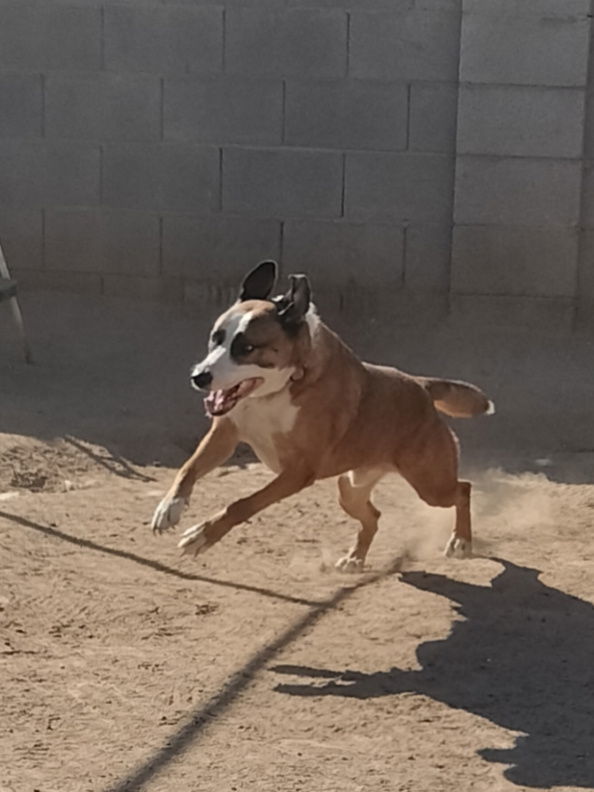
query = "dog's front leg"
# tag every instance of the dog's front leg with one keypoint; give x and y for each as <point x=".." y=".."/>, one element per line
<point x="199" y="538"/>
<point x="215" y="448"/>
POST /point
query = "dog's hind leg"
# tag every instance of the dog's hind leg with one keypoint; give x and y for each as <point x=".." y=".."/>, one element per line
<point x="431" y="467"/>
<point x="458" y="495"/>
<point x="354" y="490"/>
<point x="215" y="448"/>
<point x="460" y="543"/>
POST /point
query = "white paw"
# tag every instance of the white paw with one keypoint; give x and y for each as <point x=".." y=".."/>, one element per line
<point x="349" y="564"/>
<point x="458" y="548"/>
<point x="194" y="540"/>
<point x="168" y="513"/>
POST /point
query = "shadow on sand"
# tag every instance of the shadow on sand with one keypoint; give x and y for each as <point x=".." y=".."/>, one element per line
<point x="522" y="657"/>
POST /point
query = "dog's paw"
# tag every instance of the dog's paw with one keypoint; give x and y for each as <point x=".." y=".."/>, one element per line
<point x="168" y="513"/>
<point x="458" y="548"/>
<point x="195" y="540"/>
<point x="349" y="564"/>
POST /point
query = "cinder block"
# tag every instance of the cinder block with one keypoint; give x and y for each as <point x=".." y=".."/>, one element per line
<point x="433" y="112"/>
<point x="427" y="258"/>
<point x="587" y="218"/>
<point x="584" y="315"/>
<point x="403" y="187"/>
<point x="529" y="261"/>
<point x="370" y="319"/>
<point x="518" y="191"/>
<point x="347" y="114"/>
<point x="223" y="110"/>
<point x="336" y="254"/>
<point x="271" y="4"/>
<point x="21" y="238"/>
<point x="102" y="241"/>
<point x="133" y="287"/>
<point x="198" y="294"/>
<point x="103" y="106"/>
<point x="399" y="6"/>
<point x="585" y="284"/>
<point x="53" y="280"/>
<point x="586" y="269"/>
<point x="589" y="122"/>
<point x="169" y="39"/>
<point x="536" y="43"/>
<point x="442" y="5"/>
<point x="547" y="9"/>
<point x="167" y="177"/>
<point x="37" y="36"/>
<point x="282" y="182"/>
<point x="40" y="174"/>
<point x="413" y="44"/>
<point x="217" y="249"/>
<point x="21" y="105"/>
<point x="367" y="5"/>
<point x="351" y="5"/>
<point x="551" y="315"/>
<point x="210" y="298"/>
<point x="280" y="5"/>
<point x="294" y="42"/>
<point x="521" y="121"/>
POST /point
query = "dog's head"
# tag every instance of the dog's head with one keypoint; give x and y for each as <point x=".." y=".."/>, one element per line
<point x="251" y="349"/>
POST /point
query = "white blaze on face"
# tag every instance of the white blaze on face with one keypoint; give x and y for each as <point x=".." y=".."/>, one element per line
<point x="227" y="373"/>
<point x="224" y="370"/>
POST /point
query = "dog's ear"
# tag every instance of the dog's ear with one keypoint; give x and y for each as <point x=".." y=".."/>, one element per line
<point x="259" y="282"/>
<point x="293" y="306"/>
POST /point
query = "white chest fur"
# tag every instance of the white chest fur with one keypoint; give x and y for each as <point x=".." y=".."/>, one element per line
<point x="261" y="421"/>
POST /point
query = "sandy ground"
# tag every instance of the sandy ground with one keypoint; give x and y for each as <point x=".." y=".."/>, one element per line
<point x="258" y="667"/>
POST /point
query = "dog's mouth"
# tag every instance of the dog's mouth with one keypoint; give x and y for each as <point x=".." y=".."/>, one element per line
<point x="220" y="402"/>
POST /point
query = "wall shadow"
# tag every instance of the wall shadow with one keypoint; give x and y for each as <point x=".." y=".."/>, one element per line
<point x="522" y="657"/>
<point x="114" y="373"/>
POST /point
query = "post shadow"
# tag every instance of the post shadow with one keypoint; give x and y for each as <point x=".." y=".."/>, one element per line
<point x="522" y="657"/>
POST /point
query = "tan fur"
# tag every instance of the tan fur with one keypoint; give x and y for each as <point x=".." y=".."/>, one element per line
<point x="456" y="398"/>
<point x="350" y="419"/>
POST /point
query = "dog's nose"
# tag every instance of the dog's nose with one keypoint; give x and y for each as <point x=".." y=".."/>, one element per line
<point x="201" y="380"/>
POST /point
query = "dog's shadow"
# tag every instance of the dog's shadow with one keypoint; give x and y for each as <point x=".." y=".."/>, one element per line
<point x="522" y="657"/>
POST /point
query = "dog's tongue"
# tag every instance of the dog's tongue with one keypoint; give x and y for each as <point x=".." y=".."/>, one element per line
<point x="216" y="401"/>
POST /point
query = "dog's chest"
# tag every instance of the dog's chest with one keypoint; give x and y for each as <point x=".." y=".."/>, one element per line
<point x="261" y="422"/>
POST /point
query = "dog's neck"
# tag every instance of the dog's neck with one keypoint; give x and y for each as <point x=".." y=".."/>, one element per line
<point x="317" y="350"/>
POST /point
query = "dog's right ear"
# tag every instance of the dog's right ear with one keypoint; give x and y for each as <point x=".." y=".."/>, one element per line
<point x="259" y="283"/>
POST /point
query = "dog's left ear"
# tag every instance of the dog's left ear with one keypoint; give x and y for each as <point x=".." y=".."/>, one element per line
<point x="293" y="306"/>
<point x="259" y="282"/>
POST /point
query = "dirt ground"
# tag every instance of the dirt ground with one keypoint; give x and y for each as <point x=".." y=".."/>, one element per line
<point x="258" y="667"/>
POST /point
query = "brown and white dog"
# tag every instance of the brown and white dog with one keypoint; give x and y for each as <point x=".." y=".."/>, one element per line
<point x="280" y="380"/>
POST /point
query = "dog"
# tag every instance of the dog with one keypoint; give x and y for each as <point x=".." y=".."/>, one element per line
<point x="277" y="378"/>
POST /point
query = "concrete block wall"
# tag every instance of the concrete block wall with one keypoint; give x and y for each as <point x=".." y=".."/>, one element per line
<point x="585" y="274"/>
<point x="519" y="160"/>
<point x="156" y="148"/>
<point x="159" y="148"/>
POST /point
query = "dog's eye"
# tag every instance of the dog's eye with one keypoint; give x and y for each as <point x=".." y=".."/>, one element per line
<point x="241" y="346"/>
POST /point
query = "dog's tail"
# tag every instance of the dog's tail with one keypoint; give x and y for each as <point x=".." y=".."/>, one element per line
<point x="456" y="398"/>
